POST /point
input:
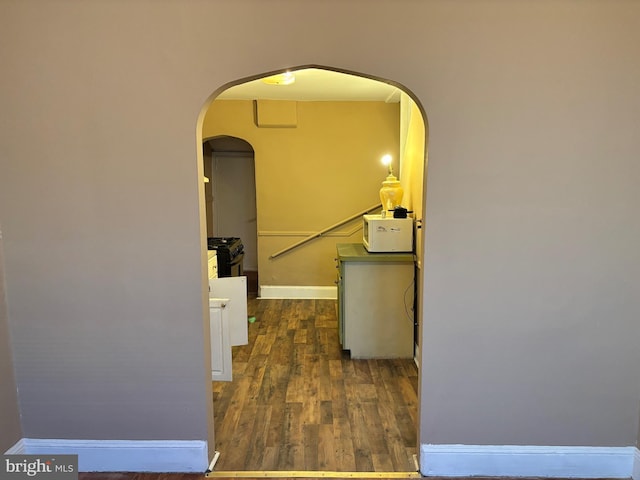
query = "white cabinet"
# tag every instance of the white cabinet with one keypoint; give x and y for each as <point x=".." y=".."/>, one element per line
<point x="220" y="341"/>
<point x="228" y="322"/>
<point x="375" y="302"/>
<point x="212" y="262"/>
<point x="235" y="289"/>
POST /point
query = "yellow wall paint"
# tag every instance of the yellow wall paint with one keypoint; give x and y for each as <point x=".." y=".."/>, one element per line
<point x="276" y="113"/>
<point x="413" y="163"/>
<point x="311" y="177"/>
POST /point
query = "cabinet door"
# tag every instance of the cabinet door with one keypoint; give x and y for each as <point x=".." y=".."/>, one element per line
<point x="220" y="345"/>
<point x="340" y="283"/>
<point x="377" y="299"/>
<point x="235" y="289"/>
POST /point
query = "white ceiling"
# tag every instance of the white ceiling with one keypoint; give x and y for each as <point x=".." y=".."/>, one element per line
<point x="318" y="85"/>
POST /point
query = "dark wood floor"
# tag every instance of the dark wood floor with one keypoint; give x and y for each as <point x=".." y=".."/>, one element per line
<point x="299" y="403"/>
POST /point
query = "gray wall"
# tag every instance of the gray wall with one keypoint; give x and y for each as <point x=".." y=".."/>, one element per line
<point x="531" y="264"/>
<point x="9" y="412"/>
<point x="99" y="206"/>
<point x="531" y="314"/>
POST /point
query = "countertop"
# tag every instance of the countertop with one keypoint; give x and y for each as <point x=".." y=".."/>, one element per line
<point x="355" y="252"/>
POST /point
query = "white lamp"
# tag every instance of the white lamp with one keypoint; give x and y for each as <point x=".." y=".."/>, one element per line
<point x="391" y="191"/>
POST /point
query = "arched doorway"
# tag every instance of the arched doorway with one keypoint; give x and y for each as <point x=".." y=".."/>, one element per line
<point x="410" y="149"/>
<point x="230" y="198"/>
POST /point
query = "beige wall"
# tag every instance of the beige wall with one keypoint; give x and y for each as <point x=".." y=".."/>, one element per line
<point x="311" y="176"/>
<point x="530" y="327"/>
<point x="9" y="411"/>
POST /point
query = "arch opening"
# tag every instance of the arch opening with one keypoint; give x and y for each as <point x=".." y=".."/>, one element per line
<point x="410" y="154"/>
<point x="230" y="198"/>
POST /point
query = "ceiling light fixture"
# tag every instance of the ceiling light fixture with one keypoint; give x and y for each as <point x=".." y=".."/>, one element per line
<point x="286" y="78"/>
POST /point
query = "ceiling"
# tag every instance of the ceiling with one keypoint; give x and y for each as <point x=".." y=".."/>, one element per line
<point x="316" y="85"/>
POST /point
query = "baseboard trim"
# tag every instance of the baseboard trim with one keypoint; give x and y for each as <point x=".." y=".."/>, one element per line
<point x="529" y="461"/>
<point x="17" y="449"/>
<point x="308" y="292"/>
<point x="636" y="465"/>
<point x="184" y="456"/>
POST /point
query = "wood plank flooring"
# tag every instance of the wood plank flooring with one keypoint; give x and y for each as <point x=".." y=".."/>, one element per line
<point x="188" y="476"/>
<point x="298" y="402"/>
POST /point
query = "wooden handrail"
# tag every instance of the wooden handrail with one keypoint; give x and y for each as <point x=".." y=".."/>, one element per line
<point x="325" y="230"/>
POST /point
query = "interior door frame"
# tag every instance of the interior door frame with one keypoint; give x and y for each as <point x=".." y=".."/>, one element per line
<point x="251" y="241"/>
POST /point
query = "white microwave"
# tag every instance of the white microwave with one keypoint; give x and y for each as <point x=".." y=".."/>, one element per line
<point x="387" y="234"/>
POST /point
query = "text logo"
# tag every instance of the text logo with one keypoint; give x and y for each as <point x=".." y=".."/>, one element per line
<point x="39" y="467"/>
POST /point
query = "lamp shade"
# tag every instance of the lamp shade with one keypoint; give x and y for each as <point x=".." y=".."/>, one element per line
<point x="391" y="193"/>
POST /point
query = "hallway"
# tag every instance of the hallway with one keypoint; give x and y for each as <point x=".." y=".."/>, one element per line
<point x="298" y="402"/>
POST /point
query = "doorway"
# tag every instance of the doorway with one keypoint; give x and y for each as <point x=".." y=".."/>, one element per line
<point x="231" y="204"/>
<point x="417" y="189"/>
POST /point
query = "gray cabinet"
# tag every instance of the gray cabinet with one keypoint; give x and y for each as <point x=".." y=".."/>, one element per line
<point x="375" y="302"/>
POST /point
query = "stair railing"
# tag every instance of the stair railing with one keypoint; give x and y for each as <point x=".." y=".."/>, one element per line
<point x="325" y="230"/>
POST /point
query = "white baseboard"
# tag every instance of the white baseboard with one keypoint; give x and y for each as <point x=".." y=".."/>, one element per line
<point x="17" y="449"/>
<point x="311" y="292"/>
<point x="529" y="461"/>
<point x="435" y="460"/>
<point x="123" y="455"/>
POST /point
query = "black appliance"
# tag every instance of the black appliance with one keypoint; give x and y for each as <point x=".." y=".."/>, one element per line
<point x="230" y="255"/>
